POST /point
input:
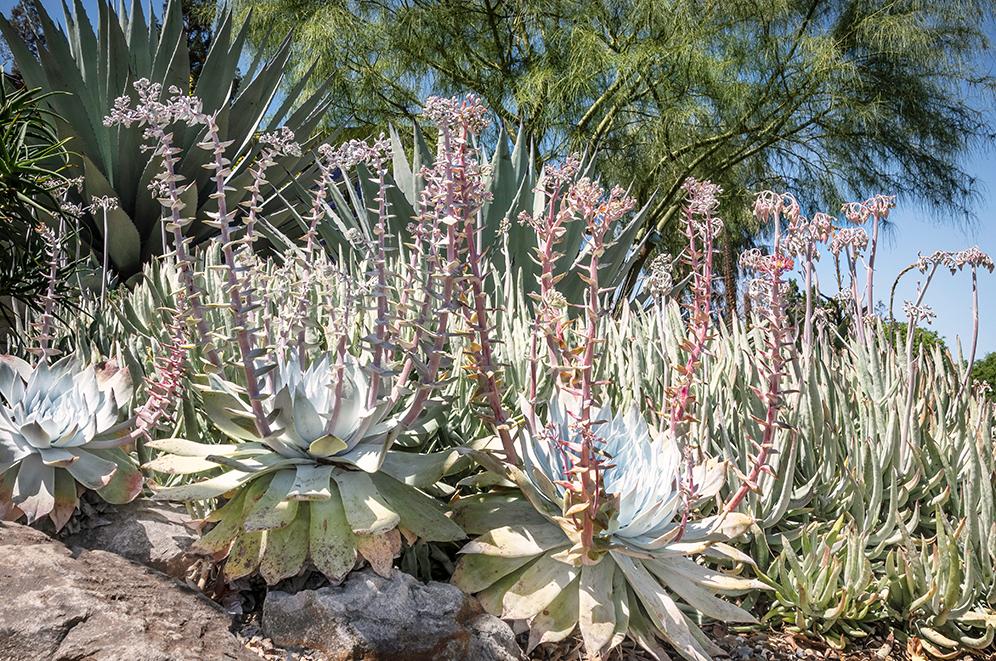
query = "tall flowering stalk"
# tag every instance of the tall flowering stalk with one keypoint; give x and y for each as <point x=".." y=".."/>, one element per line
<point x="239" y="298"/>
<point x="105" y="204"/>
<point x="973" y="258"/>
<point x="599" y="212"/>
<point x="768" y="291"/>
<point x="701" y="229"/>
<point x="803" y="240"/>
<point x="156" y="116"/>
<point x="852" y="241"/>
<point x="46" y="321"/>
<point x="164" y="387"/>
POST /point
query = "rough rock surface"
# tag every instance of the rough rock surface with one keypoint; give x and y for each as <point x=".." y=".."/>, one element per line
<point x="150" y="533"/>
<point x="371" y="618"/>
<point x="100" y="606"/>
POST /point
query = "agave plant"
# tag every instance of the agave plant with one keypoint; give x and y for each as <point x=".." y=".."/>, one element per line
<point x="96" y="67"/>
<point x="323" y="485"/>
<point x="528" y="561"/>
<point x="59" y="431"/>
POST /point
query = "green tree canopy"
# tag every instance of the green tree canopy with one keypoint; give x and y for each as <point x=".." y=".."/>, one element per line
<point x="830" y="98"/>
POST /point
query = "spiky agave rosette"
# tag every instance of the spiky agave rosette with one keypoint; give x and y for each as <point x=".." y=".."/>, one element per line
<point x="528" y="564"/>
<point x="324" y="485"/>
<point x="59" y="430"/>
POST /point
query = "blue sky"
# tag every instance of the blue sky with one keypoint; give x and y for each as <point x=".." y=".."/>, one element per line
<point x="913" y="230"/>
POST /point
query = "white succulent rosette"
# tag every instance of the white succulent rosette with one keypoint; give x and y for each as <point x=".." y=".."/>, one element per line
<point x="60" y="431"/>
<point x="323" y="487"/>
<point x="642" y="579"/>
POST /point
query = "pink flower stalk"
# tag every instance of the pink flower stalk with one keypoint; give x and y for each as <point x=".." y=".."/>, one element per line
<point x="701" y="229"/>
<point x="156" y="115"/>
<point x="768" y="291"/>
<point x="46" y="321"/>
<point x="802" y="240"/>
<point x="245" y="336"/>
<point x="165" y="386"/>
<point x="588" y="201"/>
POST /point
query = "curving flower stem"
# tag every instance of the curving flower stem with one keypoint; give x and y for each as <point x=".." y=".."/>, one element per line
<point x="975" y="332"/>
<point x="774" y="364"/>
<point x="245" y="337"/>
<point x="184" y="259"/>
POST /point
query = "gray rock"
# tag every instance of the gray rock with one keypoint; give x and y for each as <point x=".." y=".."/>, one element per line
<point x="151" y="533"/>
<point x="99" y="605"/>
<point x="371" y="618"/>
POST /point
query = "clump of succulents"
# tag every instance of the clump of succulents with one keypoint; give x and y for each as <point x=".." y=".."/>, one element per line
<point x="59" y="433"/>
<point x="530" y="560"/>
<point x="321" y="486"/>
<point x="599" y="537"/>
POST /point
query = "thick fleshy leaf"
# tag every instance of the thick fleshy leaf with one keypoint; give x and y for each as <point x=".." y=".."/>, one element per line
<point x="311" y="482"/>
<point x="331" y="541"/>
<point x="697" y="596"/>
<point x="210" y="488"/>
<point x="218" y="540"/>
<point x="423" y="515"/>
<point x="537" y="587"/>
<point x="174" y="464"/>
<point x="366" y="510"/>
<point x="518" y="541"/>
<point x="664" y="613"/>
<point x="273" y="510"/>
<point x="66" y="499"/>
<point x="126" y="482"/>
<point x="479" y="513"/>
<point x="417" y="469"/>
<point x="380" y="550"/>
<point x="286" y="549"/>
<point x="557" y="620"/>
<point x="90" y="470"/>
<point x="597" y="610"/>
<point x="245" y="555"/>
<point x="327" y="446"/>
<point x="34" y="488"/>
<point x="185" y="448"/>
<point x="474" y="573"/>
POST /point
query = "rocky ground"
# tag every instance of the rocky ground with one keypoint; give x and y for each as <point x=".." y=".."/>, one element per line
<point x="122" y="584"/>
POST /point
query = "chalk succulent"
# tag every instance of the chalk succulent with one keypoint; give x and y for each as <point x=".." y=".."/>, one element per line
<point x="58" y="431"/>
<point x="528" y="562"/>
<point x="323" y="485"/>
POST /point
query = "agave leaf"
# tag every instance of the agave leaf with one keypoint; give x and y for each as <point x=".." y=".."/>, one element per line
<point x="366" y="510"/>
<point x="419" y="513"/>
<point x="597" y="618"/>
<point x="537" y="587"/>
<point x="286" y="548"/>
<point x="331" y="541"/>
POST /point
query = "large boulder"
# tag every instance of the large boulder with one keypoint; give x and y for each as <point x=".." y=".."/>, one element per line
<point x="372" y="618"/>
<point x="99" y="605"/>
<point x="148" y="532"/>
